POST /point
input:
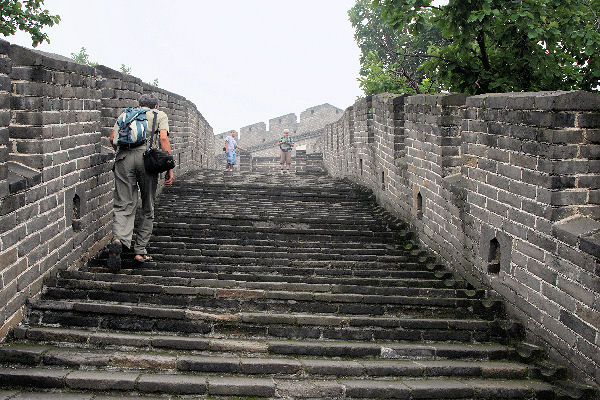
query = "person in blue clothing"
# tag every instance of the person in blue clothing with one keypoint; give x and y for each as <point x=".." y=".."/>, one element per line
<point x="230" y="154"/>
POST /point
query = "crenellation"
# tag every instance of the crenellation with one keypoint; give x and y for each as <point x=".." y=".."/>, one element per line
<point x="520" y="168"/>
<point x="306" y="132"/>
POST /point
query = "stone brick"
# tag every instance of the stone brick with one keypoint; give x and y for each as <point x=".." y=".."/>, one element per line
<point x="578" y="325"/>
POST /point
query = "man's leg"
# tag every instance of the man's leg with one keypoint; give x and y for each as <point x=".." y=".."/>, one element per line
<point x="148" y="184"/>
<point x="288" y="159"/>
<point x="125" y="198"/>
<point x="282" y="159"/>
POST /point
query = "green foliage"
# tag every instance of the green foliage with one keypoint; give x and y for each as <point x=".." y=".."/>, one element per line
<point x="125" y="69"/>
<point x="390" y="58"/>
<point x="154" y="82"/>
<point x="376" y="79"/>
<point x="507" y="45"/>
<point x="83" y="57"/>
<point x="26" y="16"/>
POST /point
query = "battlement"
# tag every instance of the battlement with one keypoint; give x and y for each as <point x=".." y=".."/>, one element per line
<point x="504" y="188"/>
<point x="257" y="137"/>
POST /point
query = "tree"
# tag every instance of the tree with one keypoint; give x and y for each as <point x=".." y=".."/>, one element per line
<point x="26" y="16"/>
<point x="125" y="69"/>
<point x="390" y="58"/>
<point x="507" y="45"/>
<point x="83" y="57"/>
<point x="154" y="82"/>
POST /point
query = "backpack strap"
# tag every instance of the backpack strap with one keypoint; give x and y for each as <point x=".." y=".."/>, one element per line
<point x="153" y="128"/>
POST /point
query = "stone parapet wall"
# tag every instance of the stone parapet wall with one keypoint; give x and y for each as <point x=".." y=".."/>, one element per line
<point x="312" y="119"/>
<point x="56" y="182"/>
<point x="504" y="188"/>
<point x="301" y="163"/>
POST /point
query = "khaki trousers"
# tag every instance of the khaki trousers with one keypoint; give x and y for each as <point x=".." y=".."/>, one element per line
<point x="285" y="157"/>
<point x="130" y="175"/>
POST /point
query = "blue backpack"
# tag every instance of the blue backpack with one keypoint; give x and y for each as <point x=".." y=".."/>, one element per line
<point x="133" y="127"/>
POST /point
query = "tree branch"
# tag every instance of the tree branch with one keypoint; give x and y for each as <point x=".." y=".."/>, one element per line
<point x="427" y="56"/>
<point x="587" y="3"/>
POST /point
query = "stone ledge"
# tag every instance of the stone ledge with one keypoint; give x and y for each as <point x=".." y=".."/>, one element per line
<point x="581" y="232"/>
<point x="576" y="100"/>
<point x="21" y="177"/>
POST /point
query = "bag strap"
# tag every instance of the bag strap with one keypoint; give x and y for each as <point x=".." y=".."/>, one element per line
<point x="153" y="129"/>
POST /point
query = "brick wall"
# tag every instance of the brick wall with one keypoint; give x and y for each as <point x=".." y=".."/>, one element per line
<point x="504" y="188"/>
<point x="56" y="183"/>
<point x="301" y="163"/>
<point x="257" y="138"/>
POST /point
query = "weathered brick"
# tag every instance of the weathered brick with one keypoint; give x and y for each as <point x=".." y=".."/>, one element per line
<point x="577" y="325"/>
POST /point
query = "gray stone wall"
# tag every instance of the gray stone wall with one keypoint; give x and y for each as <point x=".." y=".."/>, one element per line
<point x="55" y="163"/>
<point x="504" y="188"/>
<point x="257" y="138"/>
<point x="302" y="163"/>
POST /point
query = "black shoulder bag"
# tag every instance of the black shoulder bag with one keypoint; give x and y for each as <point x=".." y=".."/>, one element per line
<point x="157" y="160"/>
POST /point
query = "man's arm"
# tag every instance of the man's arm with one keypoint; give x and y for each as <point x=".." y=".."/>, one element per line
<point x="166" y="146"/>
<point x="164" y="141"/>
<point x="111" y="138"/>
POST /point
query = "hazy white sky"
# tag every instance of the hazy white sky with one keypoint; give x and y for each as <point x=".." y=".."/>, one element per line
<point x="239" y="61"/>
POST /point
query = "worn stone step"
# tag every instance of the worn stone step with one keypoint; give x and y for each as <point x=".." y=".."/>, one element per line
<point x="392" y="269"/>
<point x="305" y="219"/>
<point x="107" y="359"/>
<point x="275" y="388"/>
<point x="329" y="246"/>
<point x="276" y="233"/>
<point x="261" y="283"/>
<point x="327" y="348"/>
<point x="341" y="327"/>
<point x="290" y="249"/>
<point x="400" y="261"/>
<point x="201" y="257"/>
<point x="265" y="274"/>
<point x="237" y="299"/>
<point x="317" y="269"/>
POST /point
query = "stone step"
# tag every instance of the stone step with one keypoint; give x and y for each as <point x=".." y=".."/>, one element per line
<point x="196" y="384"/>
<point x="411" y="288"/>
<point x="299" y="326"/>
<point x="407" y="259"/>
<point x="347" y="246"/>
<point x="236" y="299"/>
<point x="290" y="249"/>
<point x="374" y="350"/>
<point x="270" y="218"/>
<point x="282" y="259"/>
<point x="252" y="274"/>
<point x="317" y="269"/>
<point x="276" y="232"/>
<point x="293" y="367"/>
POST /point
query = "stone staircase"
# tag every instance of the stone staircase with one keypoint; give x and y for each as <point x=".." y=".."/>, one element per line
<point x="273" y="286"/>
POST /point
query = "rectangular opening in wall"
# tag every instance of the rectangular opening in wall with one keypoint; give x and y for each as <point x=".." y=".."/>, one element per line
<point x="382" y="180"/>
<point x="360" y="164"/>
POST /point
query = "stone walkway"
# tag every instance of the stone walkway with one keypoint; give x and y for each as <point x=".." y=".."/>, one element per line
<point x="276" y="286"/>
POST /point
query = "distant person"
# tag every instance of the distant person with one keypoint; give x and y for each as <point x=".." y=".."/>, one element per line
<point x="286" y="143"/>
<point x="230" y="154"/>
<point x="130" y="174"/>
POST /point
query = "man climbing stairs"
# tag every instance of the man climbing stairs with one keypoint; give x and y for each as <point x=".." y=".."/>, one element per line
<point x="277" y="287"/>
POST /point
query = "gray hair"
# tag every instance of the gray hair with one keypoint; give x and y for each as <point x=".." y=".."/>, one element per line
<point x="286" y="131"/>
<point x="148" y="100"/>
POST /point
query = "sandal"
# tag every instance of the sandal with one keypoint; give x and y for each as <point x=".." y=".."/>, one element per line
<point x="141" y="261"/>
<point x="114" y="256"/>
